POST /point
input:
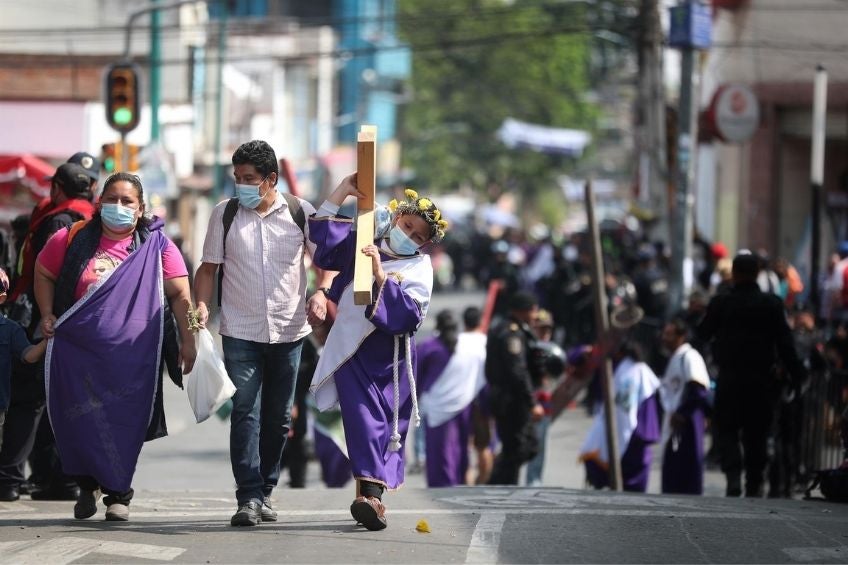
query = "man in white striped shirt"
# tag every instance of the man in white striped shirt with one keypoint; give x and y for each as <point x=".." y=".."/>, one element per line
<point x="265" y="316"/>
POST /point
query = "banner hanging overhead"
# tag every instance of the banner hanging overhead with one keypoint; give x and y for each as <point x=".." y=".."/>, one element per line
<point x="543" y="139"/>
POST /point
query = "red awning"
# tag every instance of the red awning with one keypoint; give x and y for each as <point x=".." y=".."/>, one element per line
<point x="25" y="171"/>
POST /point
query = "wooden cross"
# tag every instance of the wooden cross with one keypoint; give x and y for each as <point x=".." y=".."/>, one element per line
<point x="366" y="183"/>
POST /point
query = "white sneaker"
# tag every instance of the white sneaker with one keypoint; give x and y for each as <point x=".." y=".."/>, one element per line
<point x="117" y="513"/>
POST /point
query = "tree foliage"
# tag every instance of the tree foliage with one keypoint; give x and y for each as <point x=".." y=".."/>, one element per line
<point x="477" y="62"/>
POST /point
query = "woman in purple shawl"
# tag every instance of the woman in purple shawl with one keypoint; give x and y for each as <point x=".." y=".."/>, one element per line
<point x="366" y="365"/>
<point x="101" y="288"/>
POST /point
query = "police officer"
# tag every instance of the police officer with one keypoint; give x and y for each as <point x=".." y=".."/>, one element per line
<point x="511" y="398"/>
<point x="748" y="330"/>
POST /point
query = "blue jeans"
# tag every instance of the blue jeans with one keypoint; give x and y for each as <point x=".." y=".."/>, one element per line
<point x="537" y="464"/>
<point x="259" y="423"/>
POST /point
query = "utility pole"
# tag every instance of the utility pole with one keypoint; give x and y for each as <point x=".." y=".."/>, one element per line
<point x="218" y="189"/>
<point x="691" y="24"/>
<point x="817" y="178"/>
<point x="155" y="73"/>
<point x="653" y="165"/>
<point x="153" y="8"/>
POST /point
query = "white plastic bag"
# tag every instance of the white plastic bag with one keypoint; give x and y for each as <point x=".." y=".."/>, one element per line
<point x="208" y="385"/>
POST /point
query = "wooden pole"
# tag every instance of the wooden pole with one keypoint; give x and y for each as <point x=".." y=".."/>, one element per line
<point x="602" y="324"/>
<point x="288" y="176"/>
<point x="489" y="306"/>
<point x="366" y="182"/>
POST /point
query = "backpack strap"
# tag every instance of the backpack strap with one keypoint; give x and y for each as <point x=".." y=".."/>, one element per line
<point x="296" y="211"/>
<point x="74" y="229"/>
<point x="227" y="219"/>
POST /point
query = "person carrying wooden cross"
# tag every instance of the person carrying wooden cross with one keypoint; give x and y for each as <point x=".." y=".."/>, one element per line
<point x="366" y="365"/>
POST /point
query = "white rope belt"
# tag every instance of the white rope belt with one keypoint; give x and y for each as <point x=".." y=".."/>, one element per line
<point x="394" y="443"/>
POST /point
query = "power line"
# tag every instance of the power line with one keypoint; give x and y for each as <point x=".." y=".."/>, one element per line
<point x="436" y="46"/>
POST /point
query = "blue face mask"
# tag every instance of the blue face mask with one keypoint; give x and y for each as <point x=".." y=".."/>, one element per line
<point x="116" y="217"/>
<point x="401" y="243"/>
<point x="248" y="195"/>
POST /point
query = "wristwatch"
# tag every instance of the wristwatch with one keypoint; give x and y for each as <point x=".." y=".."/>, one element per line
<point x="325" y="290"/>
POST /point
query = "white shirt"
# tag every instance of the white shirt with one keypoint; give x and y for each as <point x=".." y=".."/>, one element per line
<point x="264" y="287"/>
<point x="685" y="365"/>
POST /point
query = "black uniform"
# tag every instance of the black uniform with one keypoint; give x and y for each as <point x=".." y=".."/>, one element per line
<point x="511" y="398"/>
<point x="749" y="332"/>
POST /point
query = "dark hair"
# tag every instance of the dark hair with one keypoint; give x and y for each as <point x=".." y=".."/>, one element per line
<point x="522" y="301"/>
<point x="631" y="348"/>
<point x="259" y="154"/>
<point x="471" y="317"/>
<point x="680" y="327"/>
<point x="143" y="221"/>
<point x="448" y="329"/>
<point x="746" y="266"/>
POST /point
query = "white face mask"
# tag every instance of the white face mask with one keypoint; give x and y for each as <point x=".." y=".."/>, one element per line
<point x="401" y="243"/>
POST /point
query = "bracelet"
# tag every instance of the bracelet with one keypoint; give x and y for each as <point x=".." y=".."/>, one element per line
<point x="325" y="290"/>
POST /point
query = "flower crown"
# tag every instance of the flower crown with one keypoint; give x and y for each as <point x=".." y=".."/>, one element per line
<point x="423" y="207"/>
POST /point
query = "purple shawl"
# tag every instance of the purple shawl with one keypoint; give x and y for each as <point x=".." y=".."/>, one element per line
<point x="102" y="369"/>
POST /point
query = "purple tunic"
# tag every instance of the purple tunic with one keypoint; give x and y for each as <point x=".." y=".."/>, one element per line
<point x="433" y="356"/>
<point x="103" y="368"/>
<point x="365" y="381"/>
<point x="335" y="466"/>
<point x="447" y="451"/>
<point x="683" y="470"/>
<point x="446" y="445"/>
<point x="636" y="460"/>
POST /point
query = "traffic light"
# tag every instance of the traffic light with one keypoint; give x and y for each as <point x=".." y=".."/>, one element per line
<point x="109" y="158"/>
<point x="132" y="157"/>
<point x="123" y="107"/>
<point x="113" y="154"/>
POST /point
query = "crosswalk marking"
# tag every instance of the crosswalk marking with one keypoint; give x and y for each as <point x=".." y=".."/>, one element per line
<point x="61" y="551"/>
<point x="486" y="538"/>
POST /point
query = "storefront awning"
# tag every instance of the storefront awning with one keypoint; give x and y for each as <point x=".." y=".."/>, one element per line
<point x="26" y="171"/>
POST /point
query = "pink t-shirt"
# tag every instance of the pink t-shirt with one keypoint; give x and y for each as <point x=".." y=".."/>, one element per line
<point x="110" y="253"/>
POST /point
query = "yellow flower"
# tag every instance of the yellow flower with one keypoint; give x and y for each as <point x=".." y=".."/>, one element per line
<point x="393" y="205"/>
<point x="443" y="224"/>
<point x="424" y="204"/>
<point x="437" y="215"/>
<point x="411" y="194"/>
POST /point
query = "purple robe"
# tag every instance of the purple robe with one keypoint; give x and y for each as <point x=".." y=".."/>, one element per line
<point x="364" y="382"/>
<point x="103" y="367"/>
<point x="636" y="459"/>
<point x="447" y="451"/>
<point x="683" y="469"/>
<point x="446" y="445"/>
<point x="329" y="434"/>
<point x="433" y="356"/>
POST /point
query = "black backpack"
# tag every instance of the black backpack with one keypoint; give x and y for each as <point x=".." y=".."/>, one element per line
<point x="230" y="213"/>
